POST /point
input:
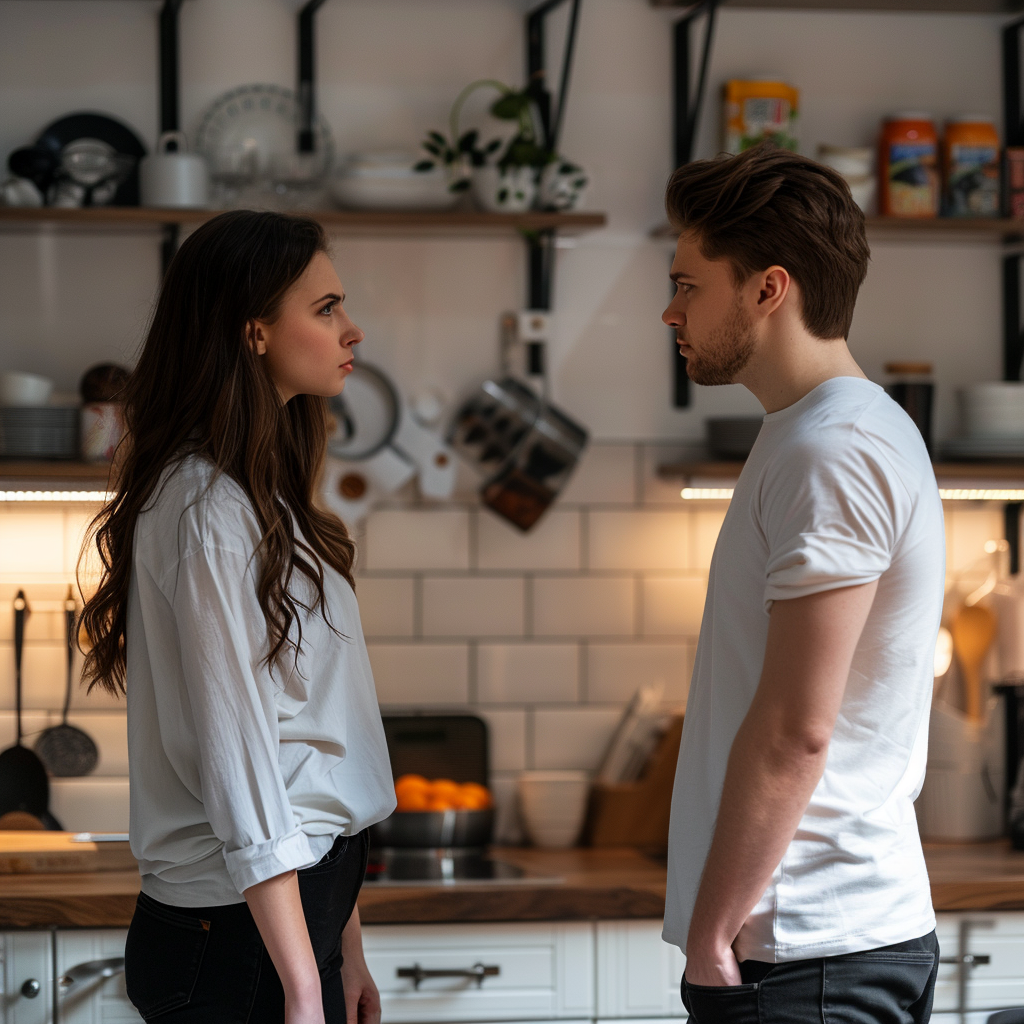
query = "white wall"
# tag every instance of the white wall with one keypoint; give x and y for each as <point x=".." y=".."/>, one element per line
<point x="388" y="69"/>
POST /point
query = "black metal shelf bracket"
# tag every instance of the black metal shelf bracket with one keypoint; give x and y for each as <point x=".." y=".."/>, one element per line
<point x="688" y="100"/>
<point x="1013" y="340"/>
<point x="541" y="244"/>
<point x="170" y="105"/>
<point x="307" y="77"/>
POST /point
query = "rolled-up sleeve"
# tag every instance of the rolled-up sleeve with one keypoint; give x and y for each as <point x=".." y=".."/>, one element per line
<point x="222" y="636"/>
<point x="832" y="518"/>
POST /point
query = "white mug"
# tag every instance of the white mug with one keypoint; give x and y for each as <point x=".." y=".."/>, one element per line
<point x="174" y="179"/>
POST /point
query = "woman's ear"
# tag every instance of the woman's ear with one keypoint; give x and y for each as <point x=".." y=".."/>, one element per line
<point x="256" y="338"/>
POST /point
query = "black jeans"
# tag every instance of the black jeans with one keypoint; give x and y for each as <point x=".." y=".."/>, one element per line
<point x="890" y="985"/>
<point x="208" y="965"/>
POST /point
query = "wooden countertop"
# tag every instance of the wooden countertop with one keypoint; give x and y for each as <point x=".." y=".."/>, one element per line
<point x="609" y="884"/>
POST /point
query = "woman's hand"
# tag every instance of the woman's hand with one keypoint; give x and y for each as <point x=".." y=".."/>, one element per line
<point x="362" y="1000"/>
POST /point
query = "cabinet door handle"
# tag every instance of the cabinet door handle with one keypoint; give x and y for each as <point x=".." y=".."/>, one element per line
<point x="970" y="959"/>
<point x="91" y="969"/>
<point x="477" y="973"/>
<point x="31" y="988"/>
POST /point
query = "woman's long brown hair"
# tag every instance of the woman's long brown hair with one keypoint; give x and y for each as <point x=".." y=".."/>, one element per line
<point x="200" y="389"/>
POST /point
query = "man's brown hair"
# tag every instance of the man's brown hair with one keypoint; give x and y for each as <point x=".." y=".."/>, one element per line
<point x="769" y="207"/>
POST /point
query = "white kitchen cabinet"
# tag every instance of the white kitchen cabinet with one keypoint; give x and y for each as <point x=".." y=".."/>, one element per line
<point x="91" y="998"/>
<point x="638" y="974"/>
<point x="996" y="980"/>
<point x="544" y="971"/>
<point x="27" y="977"/>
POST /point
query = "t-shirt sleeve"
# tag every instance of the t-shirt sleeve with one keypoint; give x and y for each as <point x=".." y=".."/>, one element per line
<point x="222" y="637"/>
<point x="832" y="513"/>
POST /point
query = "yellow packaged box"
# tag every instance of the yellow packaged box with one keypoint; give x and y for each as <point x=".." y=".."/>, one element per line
<point x="758" y="110"/>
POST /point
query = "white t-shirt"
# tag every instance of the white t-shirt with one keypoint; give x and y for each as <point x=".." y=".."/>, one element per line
<point x="838" y="491"/>
<point x="238" y="774"/>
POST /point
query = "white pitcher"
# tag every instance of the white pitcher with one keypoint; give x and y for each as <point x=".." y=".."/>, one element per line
<point x="174" y="178"/>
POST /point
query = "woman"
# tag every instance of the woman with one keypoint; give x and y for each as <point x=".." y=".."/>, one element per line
<point x="226" y="612"/>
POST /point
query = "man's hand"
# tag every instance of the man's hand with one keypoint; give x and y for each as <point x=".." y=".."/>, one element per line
<point x="707" y="967"/>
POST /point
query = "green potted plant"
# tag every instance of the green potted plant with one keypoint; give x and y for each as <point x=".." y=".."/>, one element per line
<point x="507" y="182"/>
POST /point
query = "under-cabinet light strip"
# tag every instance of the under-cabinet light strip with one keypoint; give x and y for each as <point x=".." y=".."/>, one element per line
<point x="945" y="493"/>
<point x="97" y="496"/>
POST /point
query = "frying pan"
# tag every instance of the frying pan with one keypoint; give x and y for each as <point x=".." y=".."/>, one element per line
<point x="23" y="782"/>
<point x="63" y="749"/>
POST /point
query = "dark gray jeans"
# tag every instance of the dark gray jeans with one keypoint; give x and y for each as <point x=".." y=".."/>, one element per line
<point x="890" y="985"/>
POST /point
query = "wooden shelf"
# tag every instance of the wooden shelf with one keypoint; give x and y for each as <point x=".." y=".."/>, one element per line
<point x="937" y="229"/>
<point x="1008" y="470"/>
<point x="920" y="6"/>
<point x="397" y="222"/>
<point x="47" y="473"/>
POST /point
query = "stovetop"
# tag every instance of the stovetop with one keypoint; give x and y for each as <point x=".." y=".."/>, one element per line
<point x="445" y="866"/>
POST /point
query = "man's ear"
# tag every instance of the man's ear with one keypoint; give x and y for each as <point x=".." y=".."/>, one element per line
<point x="774" y="287"/>
<point x="256" y="338"/>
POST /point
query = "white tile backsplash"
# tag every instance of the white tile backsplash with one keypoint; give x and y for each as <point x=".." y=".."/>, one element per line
<point x="584" y="606"/>
<point x="572" y="738"/>
<point x="606" y="474"/>
<point x="639" y="540"/>
<point x="386" y="606"/>
<point x="90" y="804"/>
<point x="616" y="671"/>
<point x="546" y="635"/>
<point x="527" y="673"/>
<point x="553" y="544"/>
<point x="474" y="606"/>
<point x="673" y="606"/>
<point x="420" y="673"/>
<point x="416" y="539"/>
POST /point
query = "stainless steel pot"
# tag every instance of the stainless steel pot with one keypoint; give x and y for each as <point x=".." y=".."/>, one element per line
<point x="420" y="829"/>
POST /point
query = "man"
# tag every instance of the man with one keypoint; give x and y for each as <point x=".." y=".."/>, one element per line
<point x="796" y="885"/>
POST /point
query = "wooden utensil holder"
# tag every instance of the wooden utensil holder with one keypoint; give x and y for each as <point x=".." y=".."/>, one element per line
<point x="636" y="814"/>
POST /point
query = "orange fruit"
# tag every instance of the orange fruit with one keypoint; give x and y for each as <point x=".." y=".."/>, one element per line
<point x="444" y="789"/>
<point x="473" y="797"/>
<point x="437" y="802"/>
<point x="413" y="800"/>
<point x="410" y="784"/>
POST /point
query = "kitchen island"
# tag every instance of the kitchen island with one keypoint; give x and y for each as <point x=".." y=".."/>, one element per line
<point x="561" y="885"/>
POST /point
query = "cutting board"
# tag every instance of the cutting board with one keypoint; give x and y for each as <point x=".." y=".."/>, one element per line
<point x="28" y="853"/>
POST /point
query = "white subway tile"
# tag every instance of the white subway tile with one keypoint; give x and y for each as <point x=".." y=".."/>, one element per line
<point x="616" y="671"/>
<point x="527" y="673"/>
<point x="386" y="606"/>
<point x="972" y="527"/>
<point x="606" y="474"/>
<point x="656" y="490"/>
<point x="583" y="606"/>
<point x="31" y="543"/>
<point x="412" y="539"/>
<point x="76" y="529"/>
<point x="473" y="607"/>
<point x="32" y="724"/>
<point x="45" y="620"/>
<point x="673" y="606"/>
<point x="639" y="540"/>
<point x="506" y="731"/>
<point x="90" y="804"/>
<point x="508" y="828"/>
<point x="572" y="739"/>
<point x="554" y="543"/>
<point x="705" y="525"/>
<point x="414" y="674"/>
<point x="42" y="675"/>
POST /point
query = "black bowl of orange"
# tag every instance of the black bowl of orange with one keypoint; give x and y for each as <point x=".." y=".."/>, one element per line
<point x="437" y="813"/>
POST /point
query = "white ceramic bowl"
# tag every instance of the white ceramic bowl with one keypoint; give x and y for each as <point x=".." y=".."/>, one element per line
<point x="24" y="389"/>
<point x="553" y="806"/>
<point x="387" y="181"/>
<point x="993" y="409"/>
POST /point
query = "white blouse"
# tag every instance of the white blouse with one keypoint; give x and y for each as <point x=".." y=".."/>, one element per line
<point x="238" y="773"/>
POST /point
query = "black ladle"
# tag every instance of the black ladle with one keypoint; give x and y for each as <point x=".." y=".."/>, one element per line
<point x="23" y="782"/>
<point x="65" y="750"/>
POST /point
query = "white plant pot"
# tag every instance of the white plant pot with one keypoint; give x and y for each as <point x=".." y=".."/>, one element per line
<point x="509" y="191"/>
<point x="562" y="188"/>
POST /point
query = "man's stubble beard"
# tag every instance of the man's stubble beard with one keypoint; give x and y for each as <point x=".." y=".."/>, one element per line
<point x="725" y="352"/>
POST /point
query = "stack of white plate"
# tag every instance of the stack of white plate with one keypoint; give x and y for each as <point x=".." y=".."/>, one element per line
<point x="993" y="419"/>
<point x="386" y="180"/>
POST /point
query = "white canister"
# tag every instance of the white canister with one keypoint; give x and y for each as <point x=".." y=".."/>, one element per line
<point x="102" y="430"/>
<point x="511" y="190"/>
<point x="553" y="806"/>
<point x="174" y="178"/>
